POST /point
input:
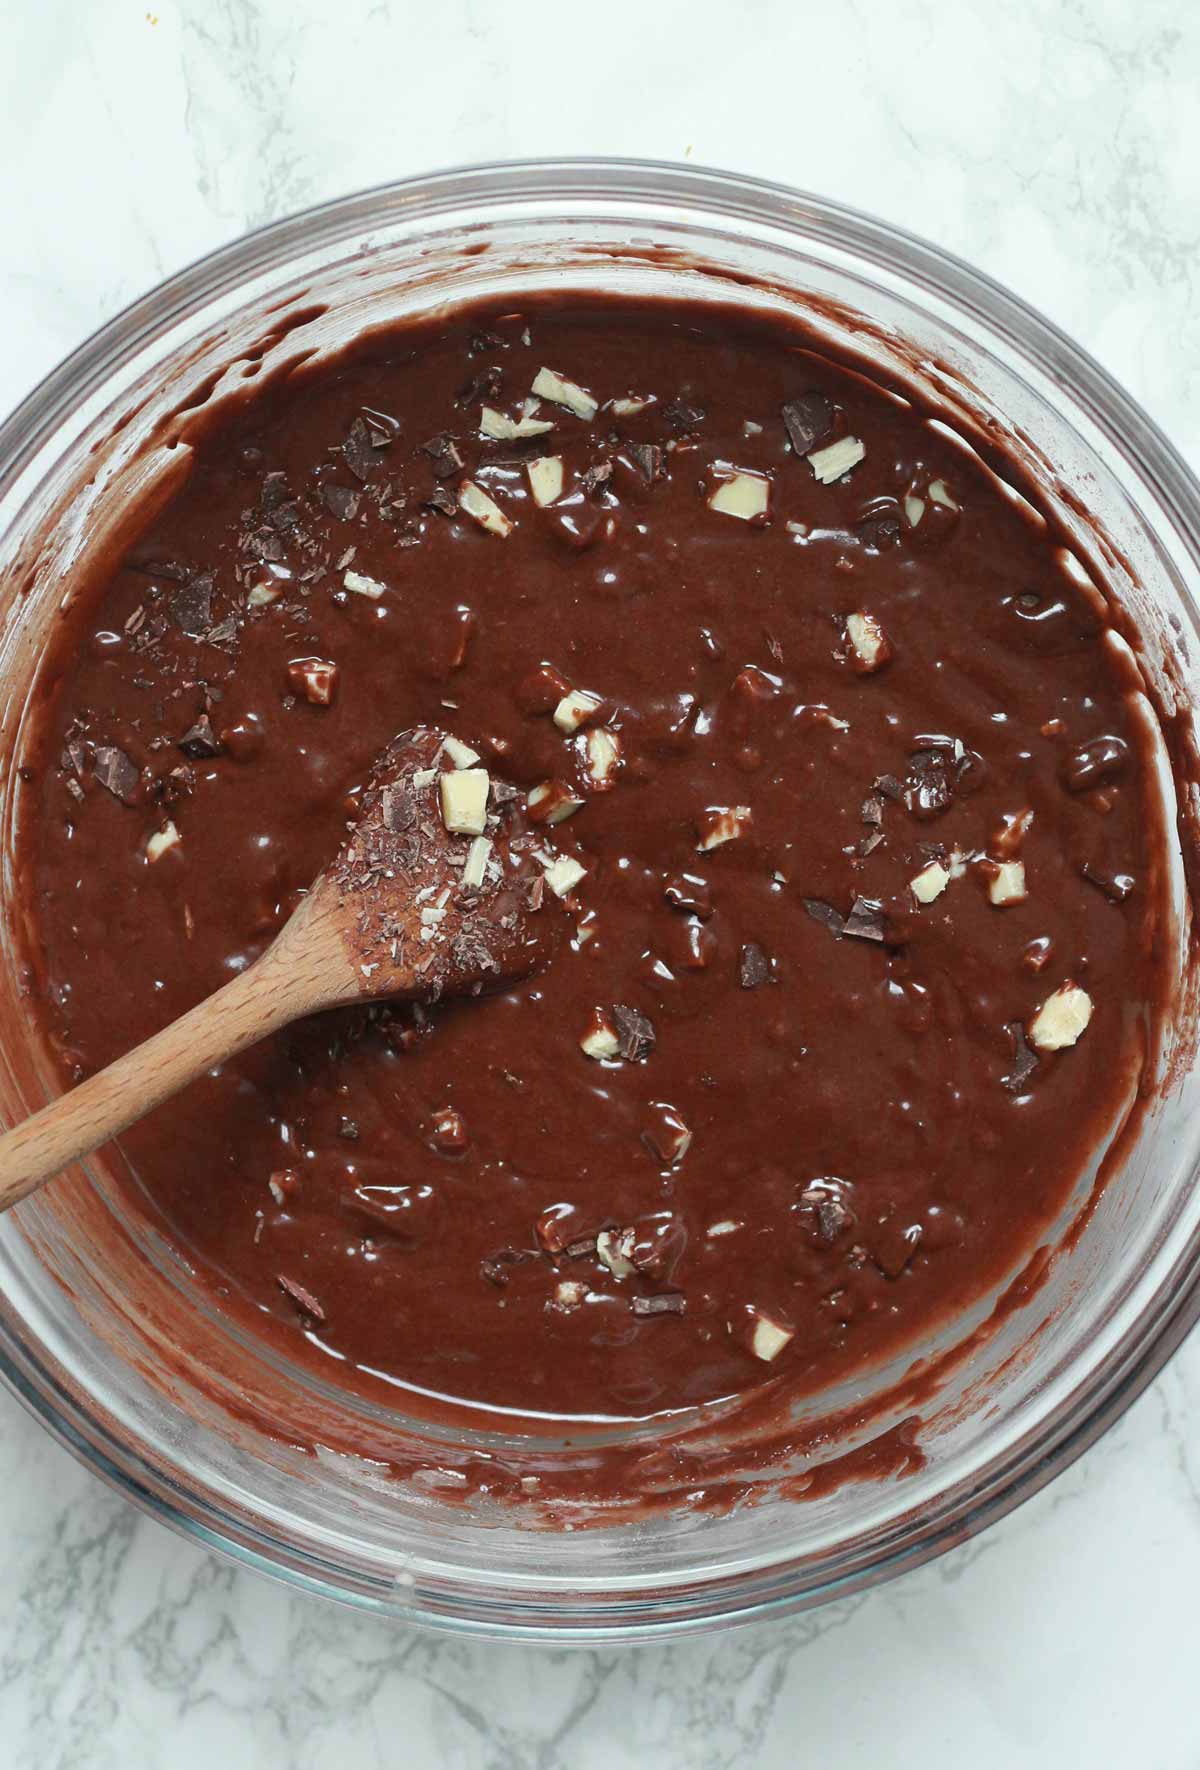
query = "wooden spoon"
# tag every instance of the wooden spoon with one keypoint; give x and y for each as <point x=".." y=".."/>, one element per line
<point x="408" y="909"/>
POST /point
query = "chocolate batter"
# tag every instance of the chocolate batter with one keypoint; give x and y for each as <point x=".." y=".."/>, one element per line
<point x="858" y="957"/>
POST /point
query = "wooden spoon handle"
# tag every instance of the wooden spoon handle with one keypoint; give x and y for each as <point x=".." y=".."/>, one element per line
<point x="240" y="1013"/>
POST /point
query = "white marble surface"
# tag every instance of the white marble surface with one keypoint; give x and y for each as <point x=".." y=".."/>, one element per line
<point x="1054" y="142"/>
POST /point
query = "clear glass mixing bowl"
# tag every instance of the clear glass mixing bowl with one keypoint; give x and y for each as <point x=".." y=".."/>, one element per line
<point x="146" y="1381"/>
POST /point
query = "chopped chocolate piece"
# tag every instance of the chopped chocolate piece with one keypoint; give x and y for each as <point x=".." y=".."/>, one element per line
<point x="872" y="810"/>
<point x="340" y="501"/>
<point x="442" y="502"/>
<point x="200" y="740"/>
<point x="866" y="920"/>
<point x="382" y="428"/>
<point x="582" y="1248"/>
<point x="191" y="605"/>
<point x="754" y="966"/>
<point x="114" y="770"/>
<point x="806" y="419"/>
<point x="825" y="914"/>
<point x="648" y="459"/>
<point x="479" y="342"/>
<point x="928" y="791"/>
<point x="831" y="1214"/>
<point x="443" y="454"/>
<point x="868" y="844"/>
<point x="665" y="1303"/>
<point x="596" y="477"/>
<point x="1025" y="1059"/>
<point x="304" y="1300"/>
<point x="348" y="1130"/>
<point x="483" y="386"/>
<point x="682" y="416"/>
<point x="890" y="787"/>
<point x="316" y="679"/>
<point x="223" y="633"/>
<point x="635" y="1033"/>
<point x="879" y="530"/>
<point x="495" y="1268"/>
<point x="274" y="491"/>
<point x="1117" y="887"/>
<point x="399" y="807"/>
<point x="360" y="454"/>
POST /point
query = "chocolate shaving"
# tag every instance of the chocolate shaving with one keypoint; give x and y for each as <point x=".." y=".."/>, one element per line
<point x="200" y="740"/>
<point x="667" y="1303"/>
<point x="224" y="633"/>
<point x="360" y="454"/>
<point x="635" y="1033"/>
<point x="582" y="1247"/>
<point x="399" y="808"/>
<point x="806" y="419"/>
<point x="866" y="920"/>
<point x="754" y="966"/>
<point x="191" y="605"/>
<point x="117" y="773"/>
<point x="443" y="454"/>
<point x="1025" y="1059"/>
<point x="340" y="501"/>
<point x="825" y="914"/>
<point x="382" y="428"/>
<point x="304" y="1300"/>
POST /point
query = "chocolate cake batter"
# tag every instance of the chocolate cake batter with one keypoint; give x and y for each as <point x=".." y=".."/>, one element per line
<point x="847" y="828"/>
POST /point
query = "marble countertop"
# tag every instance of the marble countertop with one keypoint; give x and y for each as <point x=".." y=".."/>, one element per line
<point x="1053" y="142"/>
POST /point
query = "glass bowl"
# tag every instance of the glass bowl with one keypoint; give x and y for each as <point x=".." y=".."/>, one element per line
<point x="103" y="1334"/>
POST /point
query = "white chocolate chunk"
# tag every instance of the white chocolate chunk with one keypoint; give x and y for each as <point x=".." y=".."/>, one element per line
<point x="600" y="1041"/>
<point x="475" y="503"/>
<point x="475" y="866"/>
<point x="575" y="709"/>
<point x="424" y="777"/>
<point x="836" y="458"/>
<point x="262" y="596"/>
<point x="744" y="495"/>
<point x="563" y="874"/>
<point x="930" y="882"/>
<point x="1061" y="1018"/>
<point x="462" y="755"/>
<point x="503" y="429"/>
<point x="545" y="479"/>
<point x="723" y="823"/>
<point x="364" y="586"/>
<point x="604" y="754"/>
<point x="939" y="491"/>
<point x="569" y="1293"/>
<point x="914" y="509"/>
<point x="727" y="1226"/>
<point x="626" y="408"/>
<point x="576" y="399"/>
<point x="551" y="803"/>
<point x="464" y="800"/>
<point x="1008" y="883"/>
<point x="613" y="1248"/>
<point x="163" y="841"/>
<point x="868" y="642"/>
<point x="769" y="1337"/>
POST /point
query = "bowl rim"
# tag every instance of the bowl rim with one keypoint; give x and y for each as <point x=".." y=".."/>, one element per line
<point x="1104" y="1392"/>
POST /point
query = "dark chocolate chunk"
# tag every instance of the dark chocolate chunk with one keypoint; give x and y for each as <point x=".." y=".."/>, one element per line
<point x="928" y="791"/>
<point x="825" y="914"/>
<point x="1115" y="886"/>
<point x="483" y="386"/>
<point x="481" y="342"/>
<point x="174" y="569"/>
<point x="114" y="770"/>
<point x="831" y="1214"/>
<point x="200" y="740"/>
<point x="1025" y="1059"/>
<point x="443" y="454"/>
<point x="634" y="1032"/>
<point x="890" y="787"/>
<point x="879" y="530"/>
<point x="581" y="1248"/>
<point x="265" y="544"/>
<point x="596" y="477"/>
<point x="872" y="810"/>
<point x="340" y="501"/>
<point x="223" y="633"/>
<point x="304" y="1300"/>
<point x="274" y="491"/>
<point x="648" y="459"/>
<point x="348" y="1130"/>
<point x="359" y="452"/>
<point x="806" y="419"/>
<point x="442" y="502"/>
<point x="1088" y="765"/>
<point x="868" y="844"/>
<point x="191" y="605"/>
<point x="682" y="416"/>
<point x="382" y="428"/>
<point x="754" y="966"/>
<point x="866" y="920"/>
<point x="666" y="1303"/>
